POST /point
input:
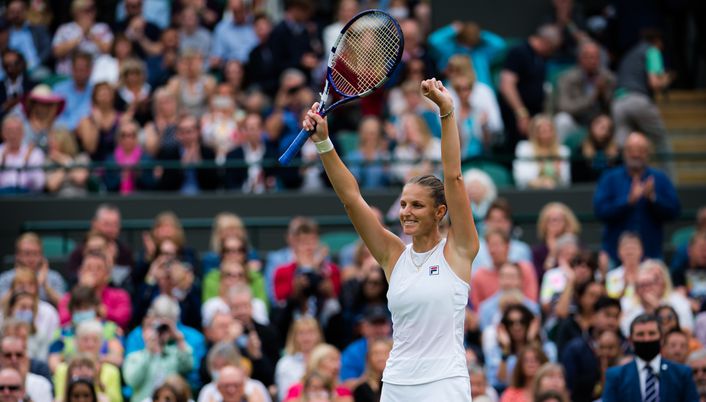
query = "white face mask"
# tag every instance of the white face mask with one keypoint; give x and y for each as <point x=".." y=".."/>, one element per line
<point x="398" y="13"/>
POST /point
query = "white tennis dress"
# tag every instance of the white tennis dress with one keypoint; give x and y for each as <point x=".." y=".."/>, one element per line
<point x="427" y="301"/>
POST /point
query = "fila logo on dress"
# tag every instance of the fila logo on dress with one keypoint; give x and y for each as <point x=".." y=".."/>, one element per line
<point x="434" y="270"/>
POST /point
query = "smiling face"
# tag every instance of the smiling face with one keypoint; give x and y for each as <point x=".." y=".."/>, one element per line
<point x="418" y="212"/>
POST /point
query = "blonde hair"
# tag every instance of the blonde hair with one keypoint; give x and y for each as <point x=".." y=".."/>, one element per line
<point x="290" y="346"/>
<point x="545" y="370"/>
<point x="655" y="264"/>
<point x="170" y="218"/>
<point x="29" y="236"/>
<point x="318" y="354"/>
<point x="66" y="142"/>
<point x="131" y="64"/>
<point x="572" y="223"/>
<point x="534" y="127"/>
<point x="222" y="221"/>
<point x="460" y="65"/>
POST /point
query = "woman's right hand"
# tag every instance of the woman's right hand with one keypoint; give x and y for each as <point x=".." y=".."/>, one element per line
<point x="313" y="119"/>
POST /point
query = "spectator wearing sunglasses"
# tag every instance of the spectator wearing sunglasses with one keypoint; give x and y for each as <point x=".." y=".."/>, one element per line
<point x="11" y="387"/>
<point x="13" y="353"/>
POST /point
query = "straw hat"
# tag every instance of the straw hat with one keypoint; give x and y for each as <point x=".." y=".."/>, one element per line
<point x="42" y="94"/>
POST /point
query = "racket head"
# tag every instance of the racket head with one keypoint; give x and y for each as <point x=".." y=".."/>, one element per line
<point x="365" y="54"/>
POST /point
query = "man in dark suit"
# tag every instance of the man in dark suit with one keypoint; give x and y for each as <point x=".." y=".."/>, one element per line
<point x="649" y="377"/>
<point x="186" y="178"/>
<point x="16" y="83"/>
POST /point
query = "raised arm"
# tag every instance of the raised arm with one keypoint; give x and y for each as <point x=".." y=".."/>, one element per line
<point x="385" y="246"/>
<point x="462" y="245"/>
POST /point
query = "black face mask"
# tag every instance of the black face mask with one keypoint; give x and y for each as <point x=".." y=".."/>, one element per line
<point x="646" y="350"/>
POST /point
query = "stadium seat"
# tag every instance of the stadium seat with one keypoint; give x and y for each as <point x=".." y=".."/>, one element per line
<point x="500" y="175"/>
<point x="57" y="246"/>
<point x="347" y="141"/>
<point x="682" y="236"/>
<point x="335" y="241"/>
<point x="573" y="141"/>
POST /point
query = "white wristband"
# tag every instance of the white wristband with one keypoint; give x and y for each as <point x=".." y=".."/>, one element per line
<point x="324" y="146"/>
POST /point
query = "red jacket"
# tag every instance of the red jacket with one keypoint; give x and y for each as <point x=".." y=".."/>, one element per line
<point x="284" y="279"/>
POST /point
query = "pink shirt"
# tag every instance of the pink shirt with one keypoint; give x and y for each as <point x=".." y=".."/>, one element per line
<point x="513" y="394"/>
<point x="117" y="305"/>
<point x="485" y="283"/>
<point x="295" y="391"/>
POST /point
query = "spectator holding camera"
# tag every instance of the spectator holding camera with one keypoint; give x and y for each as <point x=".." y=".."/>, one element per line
<point x="165" y="310"/>
<point x="166" y="352"/>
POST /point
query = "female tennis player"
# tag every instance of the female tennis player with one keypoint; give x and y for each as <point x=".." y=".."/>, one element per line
<point x="429" y="279"/>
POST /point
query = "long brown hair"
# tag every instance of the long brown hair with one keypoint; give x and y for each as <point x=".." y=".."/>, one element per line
<point x="519" y="379"/>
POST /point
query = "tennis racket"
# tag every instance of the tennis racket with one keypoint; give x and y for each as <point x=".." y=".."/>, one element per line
<point x="364" y="56"/>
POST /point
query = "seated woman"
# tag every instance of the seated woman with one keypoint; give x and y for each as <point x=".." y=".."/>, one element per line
<point x="66" y="174"/>
<point x="123" y="173"/>
<point x="166" y="225"/>
<point x="417" y="152"/>
<point x="598" y="153"/>
<point x="326" y="360"/>
<point x="233" y="273"/>
<point x="518" y="329"/>
<point x="160" y="132"/>
<point x="369" y="163"/>
<point x="555" y="219"/>
<point x="22" y="303"/>
<point x="654" y="288"/>
<point x="304" y="335"/>
<point x="97" y="131"/>
<point x="87" y="364"/>
<point x="227" y="224"/>
<point x="529" y="359"/>
<point x="95" y="273"/>
<point x="541" y="162"/>
<point x="370" y="389"/>
<point x="85" y="306"/>
<point x="550" y="378"/>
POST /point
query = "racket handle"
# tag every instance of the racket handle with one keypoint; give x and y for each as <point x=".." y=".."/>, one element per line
<point x="294" y="147"/>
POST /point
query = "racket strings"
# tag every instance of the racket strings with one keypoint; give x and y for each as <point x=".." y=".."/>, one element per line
<point x="366" y="54"/>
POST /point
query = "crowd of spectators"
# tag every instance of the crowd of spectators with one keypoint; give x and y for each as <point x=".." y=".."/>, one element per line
<point x="193" y="96"/>
<point x="199" y="96"/>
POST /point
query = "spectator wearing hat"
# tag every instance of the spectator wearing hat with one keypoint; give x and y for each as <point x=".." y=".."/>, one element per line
<point x="77" y="91"/>
<point x="83" y="34"/>
<point x="375" y="324"/>
<point x="16" y="83"/>
<point x="41" y="108"/>
<point x="20" y="163"/>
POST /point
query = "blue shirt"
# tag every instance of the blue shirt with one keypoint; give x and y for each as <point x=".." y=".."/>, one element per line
<point x="353" y="359"/>
<point x="233" y="41"/>
<point x="519" y="251"/>
<point x="78" y="103"/>
<point x="645" y="217"/>
<point x="444" y="45"/>
<point x="22" y="41"/>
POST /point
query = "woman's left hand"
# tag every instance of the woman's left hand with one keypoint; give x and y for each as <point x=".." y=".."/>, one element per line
<point x="436" y="92"/>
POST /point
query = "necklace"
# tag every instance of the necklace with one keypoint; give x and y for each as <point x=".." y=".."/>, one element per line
<point x="426" y="256"/>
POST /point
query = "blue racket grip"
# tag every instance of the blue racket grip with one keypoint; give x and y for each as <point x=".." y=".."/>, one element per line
<point x="294" y="147"/>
